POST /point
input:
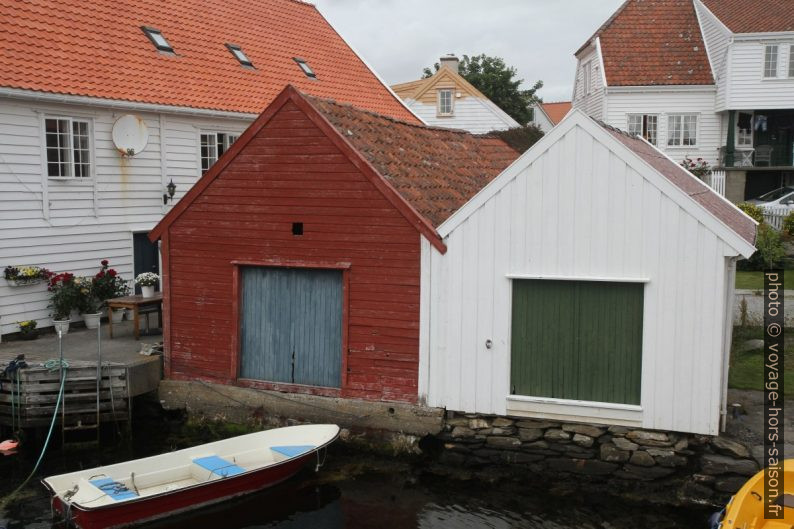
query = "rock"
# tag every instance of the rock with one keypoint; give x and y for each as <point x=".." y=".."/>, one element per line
<point x="519" y="457"/>
<point x="618" y="430"/>
<point x="703" y="478"/>
<point x="658" y="452"/>
<point x="478" y="424"/>
<point x="643" y="473"/>
<point x="462" y="431"/>
<point x="613" y="454"/>
<point x="624" y="444"/>
<point x="681" y="445"/>
<point x="503" y="442"/>
<point x="556" y="435"/>
<point x="502" y="431"/>
<point x="642" y="459"/>
<point x="671" y="461"/>
<point x="699" y="440"/>
<point x="728" y="447"/>
<point x="692" y="492"/>
<point x="582" y="466"/>
<point x="647" y="438"/>
<point x="729" y="483"/>
<point x="606" y="438"/>
<point x="501" y="422"/>
<point x="717" y="464"/>
<point x="583" y="429"/>
<point x="582" y="440"/>
<point x="458" y="421"/>
<point x="537" y="424"/>
<point x="452" y="458"/>
<point x="530" y="434"/>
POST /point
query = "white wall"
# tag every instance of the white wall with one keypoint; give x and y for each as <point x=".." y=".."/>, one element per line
<point x="470" y="113"/>
<point x="72" y="225"/>
<point x="747" y="87"/>
<point x="717" y="38"/>
<point x="591" y="103"/>
<point x="580" y="210"/>
<point x="541" y="120"/>
<point x="663" y="102"/>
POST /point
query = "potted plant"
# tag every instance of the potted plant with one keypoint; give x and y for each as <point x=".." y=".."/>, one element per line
<point x="89" y="304"/>
<point x="25" y="275"/>
<point x="27" y="329"/>
<point x="64" y="297"/>
<point x="147" y="281"/>
<point x="108" y="284"/>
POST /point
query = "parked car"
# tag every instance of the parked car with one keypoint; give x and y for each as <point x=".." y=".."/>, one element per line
<point x="782" y="197"/>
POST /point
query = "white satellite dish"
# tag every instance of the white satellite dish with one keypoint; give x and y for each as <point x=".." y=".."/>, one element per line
<point x="130" y="135"/>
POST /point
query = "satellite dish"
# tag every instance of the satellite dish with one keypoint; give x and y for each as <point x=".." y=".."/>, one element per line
<point x="130" y="135"/>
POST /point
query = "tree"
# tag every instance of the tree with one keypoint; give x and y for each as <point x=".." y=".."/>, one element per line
<point x="496" y="80"/>
<point x="520" y="138"/>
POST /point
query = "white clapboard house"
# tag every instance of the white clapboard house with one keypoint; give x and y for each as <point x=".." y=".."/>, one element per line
<point x="591" y="281"/>
<point x="711" y="79"/>
<point x="182" y="80"/>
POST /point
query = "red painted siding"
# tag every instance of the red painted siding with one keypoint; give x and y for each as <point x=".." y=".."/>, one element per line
<point x="291" y="172"/>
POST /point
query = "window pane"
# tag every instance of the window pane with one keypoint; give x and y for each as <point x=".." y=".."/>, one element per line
<point x="674" y="130"/>
<point x="791" y="61"/>
<point x="770" y="61"/>
<point x="445" y="102"/>
<point x="651" y="126"/>
<point x="690" y="130"/>
<point x="635" y="124"/>
<point x="209" y="151"/>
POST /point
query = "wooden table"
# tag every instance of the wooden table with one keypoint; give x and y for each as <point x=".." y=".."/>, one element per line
<point x="134" y="303"/>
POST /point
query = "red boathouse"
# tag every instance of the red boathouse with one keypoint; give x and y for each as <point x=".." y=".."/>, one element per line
<point x="294" y="263"/>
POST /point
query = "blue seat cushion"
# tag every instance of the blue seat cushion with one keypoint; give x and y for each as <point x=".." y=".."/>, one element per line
<point x="218" y="466"/>
<point x="114" y="489"/>
<point x="292" y="451"/>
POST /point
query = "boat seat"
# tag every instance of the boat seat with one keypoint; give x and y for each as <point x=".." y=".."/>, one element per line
<point x="115" y="490"/>
<point x="219" y="466"/>
<point x="292" y="450"/>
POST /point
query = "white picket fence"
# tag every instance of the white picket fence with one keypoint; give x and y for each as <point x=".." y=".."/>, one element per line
<point x="716" y="179"/>
<point x="774" y="216"/>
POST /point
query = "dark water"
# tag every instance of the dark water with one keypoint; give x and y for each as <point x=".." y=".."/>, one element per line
<point x="354" y="491"/>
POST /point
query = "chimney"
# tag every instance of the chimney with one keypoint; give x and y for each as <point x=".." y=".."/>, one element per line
<point x="450" y="61"/>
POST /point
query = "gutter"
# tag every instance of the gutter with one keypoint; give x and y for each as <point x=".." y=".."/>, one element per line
<point x="49" y="97"/>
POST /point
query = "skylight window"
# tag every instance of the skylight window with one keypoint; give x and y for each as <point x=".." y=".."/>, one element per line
<point x="305" y="67"/>
<point x="156" y="36"/>
<point x="240" y="55"/>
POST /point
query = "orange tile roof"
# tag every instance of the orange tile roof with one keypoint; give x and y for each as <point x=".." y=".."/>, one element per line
<point x="98" y="49"/>
<point x="654" y="42"/>
<point x="436" y="170"/>
<point x="754" y="16"/>
<point x="556" y="111"/>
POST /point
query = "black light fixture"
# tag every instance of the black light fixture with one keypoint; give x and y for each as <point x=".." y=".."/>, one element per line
<point x="171" y="190"/>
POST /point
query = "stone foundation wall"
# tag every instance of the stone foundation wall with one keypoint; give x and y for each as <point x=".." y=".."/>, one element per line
<point x="689" y="468"/>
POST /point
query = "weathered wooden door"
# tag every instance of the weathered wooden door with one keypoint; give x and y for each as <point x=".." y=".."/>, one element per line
<point x="291" y="325"/>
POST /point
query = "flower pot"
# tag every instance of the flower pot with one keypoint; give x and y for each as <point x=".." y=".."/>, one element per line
<point x="147" y="291"/>
<point x="24" y="282"/>
<point x="128" y="314"/>
<point x="117" y="315"/>
<point x="61" y="326"/>
<point x="31" y="335"/>
<point x="92" y="320"/>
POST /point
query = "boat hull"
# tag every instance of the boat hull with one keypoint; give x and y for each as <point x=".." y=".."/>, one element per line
<point x="130" y="513"/>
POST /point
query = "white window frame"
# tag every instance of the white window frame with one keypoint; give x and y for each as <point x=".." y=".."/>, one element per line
<point x="221" y="138"/>
<point x="791" y="60"/>
<point x="670" y="128"/>
<point x="767" y="64"/>
<point x="644" y="120"/>
<point x="739" y="135"/>
<point x="71" y="164"/>
<point x="587" y="78"/>
<point x="439" y="105"/>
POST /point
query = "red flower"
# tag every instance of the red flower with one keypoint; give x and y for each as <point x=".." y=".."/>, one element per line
<point x="112" y="273"/>
<point x="104" y="262"/>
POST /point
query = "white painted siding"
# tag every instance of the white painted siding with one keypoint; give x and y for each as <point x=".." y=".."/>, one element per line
<point x="580" y="210"/>
<point x="591" y="103"/>
<point x="72" y="225"/>
<point x="541" y="120"/>
<point x="717" y="38"/>
<point x="747" y="86"/>
<point x="470" y="113"/>
<point x="664" y="103"/>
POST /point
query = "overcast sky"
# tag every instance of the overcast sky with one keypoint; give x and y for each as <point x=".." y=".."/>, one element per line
<point x="538" y="37"/>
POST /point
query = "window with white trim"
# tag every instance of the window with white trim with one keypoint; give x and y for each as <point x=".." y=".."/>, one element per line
<point x="770" y="60"/>
<point x="68" y="145"/>
<point x="791" y="61"/>
<point x="445" y="102"/>
<point x="682" y="130"/>
<point x="587" y="76"/>
<point x="213" y="145"/>
<point x="645" y="125"/>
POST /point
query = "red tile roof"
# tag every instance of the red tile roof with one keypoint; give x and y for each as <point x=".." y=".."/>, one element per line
<point x="97" y="49"/>
<point x="556" y="111"/>
<point x="436" y="170"/>
<point x="754" y="16"/>
<point x="683" y="179"/>
<point x="654" y="42"/>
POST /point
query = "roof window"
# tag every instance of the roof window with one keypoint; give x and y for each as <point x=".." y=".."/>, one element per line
<point x="305" y="67"/>
<point x="156" y="36"/>
<point x="240" y="55"/>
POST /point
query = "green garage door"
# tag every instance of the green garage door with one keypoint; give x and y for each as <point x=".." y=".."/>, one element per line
<point x="578" y="340"/>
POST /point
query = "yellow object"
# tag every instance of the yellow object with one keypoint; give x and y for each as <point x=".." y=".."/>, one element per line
<point x="746" y="508"/>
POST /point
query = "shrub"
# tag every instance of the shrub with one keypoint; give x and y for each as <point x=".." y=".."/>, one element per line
<point x="699" y="167"/>
<point x="756" y="212"/>
<point x="788" y="224"/>
<point x="770" y="251"/>
<point x="107" y="284"/>
<point x="520" y="138"/>
<point x="65" y="295"/>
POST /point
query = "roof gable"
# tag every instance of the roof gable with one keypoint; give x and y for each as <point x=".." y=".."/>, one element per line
<point x="556" y="111"/>
<point x="753" y="16"/>
<point x="98" y="49"/>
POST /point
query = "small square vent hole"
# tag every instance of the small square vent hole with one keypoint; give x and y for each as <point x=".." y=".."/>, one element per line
<point x="297" y="228"/>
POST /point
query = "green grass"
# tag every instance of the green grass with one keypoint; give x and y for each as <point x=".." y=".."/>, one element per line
<point x="747" y="368"/>
<point x="755" y="280"/>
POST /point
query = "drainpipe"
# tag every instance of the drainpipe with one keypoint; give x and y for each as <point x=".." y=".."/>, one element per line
<point x="731" y="140"/>
<point x="730" y="282"/>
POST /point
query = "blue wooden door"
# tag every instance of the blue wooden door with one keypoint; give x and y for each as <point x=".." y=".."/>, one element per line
<point x="291" y="325"/>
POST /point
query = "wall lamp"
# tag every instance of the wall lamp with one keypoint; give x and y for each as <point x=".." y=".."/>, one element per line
<point x="170" y="191"/>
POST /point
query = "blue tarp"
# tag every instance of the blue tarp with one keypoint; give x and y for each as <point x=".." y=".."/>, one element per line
<point x="219" y="466"/>
<point x="114" y="489"/>
<point x="292" y="451"/>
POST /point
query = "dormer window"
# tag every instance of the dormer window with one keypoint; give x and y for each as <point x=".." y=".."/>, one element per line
<point x="770" y="60"/>
<point x="445" y="105"/>
<point x="587" y="74"/>
<point x="156" y="36"/>
<point x="238" y="53"/>
<point x="305" y="67"/>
